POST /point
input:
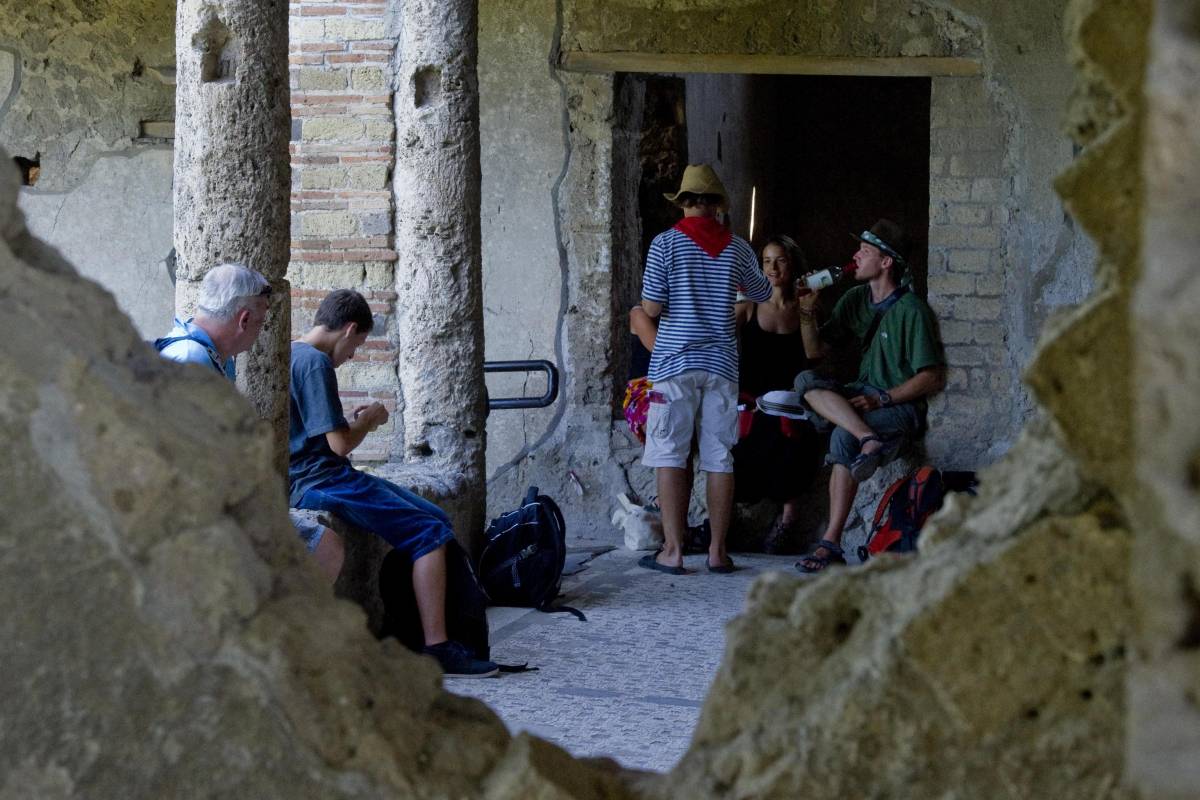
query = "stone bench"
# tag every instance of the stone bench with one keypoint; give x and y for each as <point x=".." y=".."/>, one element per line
<point x="359" y="579"/>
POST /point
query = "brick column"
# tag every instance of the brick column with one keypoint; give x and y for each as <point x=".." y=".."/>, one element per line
<point x="439" y="307"/>
<point x="970" y="193"/>
<point x="232" y="174"/>
<point x="342" y="152"/>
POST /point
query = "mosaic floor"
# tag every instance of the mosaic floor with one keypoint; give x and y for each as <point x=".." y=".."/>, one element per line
<point x="629" y="682"/>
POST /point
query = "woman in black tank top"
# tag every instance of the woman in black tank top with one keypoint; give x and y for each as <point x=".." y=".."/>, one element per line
<point x="779" y="457"/>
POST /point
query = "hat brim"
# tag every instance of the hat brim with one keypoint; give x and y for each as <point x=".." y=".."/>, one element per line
<point x="791" y="412"/>
<point x="882" y="245"/>
<point x="673" y="198"/>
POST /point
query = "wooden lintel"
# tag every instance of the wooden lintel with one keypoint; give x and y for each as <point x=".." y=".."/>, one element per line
<point x="747" y="64"/>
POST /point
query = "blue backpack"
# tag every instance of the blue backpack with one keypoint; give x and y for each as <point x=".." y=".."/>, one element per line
<point x="523" y="559"/>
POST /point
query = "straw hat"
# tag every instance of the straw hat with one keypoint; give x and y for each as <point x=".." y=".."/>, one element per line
<point x="699" y="179"/>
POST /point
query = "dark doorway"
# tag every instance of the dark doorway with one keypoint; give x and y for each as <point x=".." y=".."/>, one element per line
<point x="820" y="156"/>
<point x="823" y="156"/>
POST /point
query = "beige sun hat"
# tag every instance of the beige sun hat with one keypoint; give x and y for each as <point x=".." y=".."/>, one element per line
<point x="699" y="179"/>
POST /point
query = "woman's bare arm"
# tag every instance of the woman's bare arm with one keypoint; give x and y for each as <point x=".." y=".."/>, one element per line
<point x="643" y="326"/>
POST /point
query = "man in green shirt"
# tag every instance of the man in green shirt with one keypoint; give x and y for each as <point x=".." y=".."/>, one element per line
<point x="902" y="364"/>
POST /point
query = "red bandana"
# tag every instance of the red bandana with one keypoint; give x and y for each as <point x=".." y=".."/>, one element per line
<point x="709" y="235"/>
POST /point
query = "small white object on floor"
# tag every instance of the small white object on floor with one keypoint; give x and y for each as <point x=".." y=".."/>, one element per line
<point x="643" y="529"/>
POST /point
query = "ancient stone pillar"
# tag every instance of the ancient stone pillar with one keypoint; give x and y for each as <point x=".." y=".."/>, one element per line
<point x="232" y="174"/>
<point x="439" y="307"/>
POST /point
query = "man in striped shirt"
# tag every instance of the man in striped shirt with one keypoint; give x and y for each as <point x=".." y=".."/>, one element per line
<point x="693" y="272"/>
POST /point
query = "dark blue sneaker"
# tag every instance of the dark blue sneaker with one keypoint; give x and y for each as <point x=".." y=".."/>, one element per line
<point x="457" y="661"/>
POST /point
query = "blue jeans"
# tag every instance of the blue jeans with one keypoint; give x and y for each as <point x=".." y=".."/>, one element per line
<point x="407" y="522"/>
<point x="896" y="425"/>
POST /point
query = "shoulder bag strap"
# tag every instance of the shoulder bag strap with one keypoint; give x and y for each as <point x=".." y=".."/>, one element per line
<point x="166" y="341"/>
<point x="891" y="300"/>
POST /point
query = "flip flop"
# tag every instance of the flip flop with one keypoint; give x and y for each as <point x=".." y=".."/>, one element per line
<point x="723" y="569"/>
<point x="651" y="562"/>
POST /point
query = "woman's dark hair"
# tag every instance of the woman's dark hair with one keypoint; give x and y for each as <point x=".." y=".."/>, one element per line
<point x="791" y="249"/>
<point x="343" y="306"/>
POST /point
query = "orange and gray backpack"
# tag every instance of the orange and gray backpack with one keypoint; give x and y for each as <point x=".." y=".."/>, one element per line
<point x="902" y="512"/>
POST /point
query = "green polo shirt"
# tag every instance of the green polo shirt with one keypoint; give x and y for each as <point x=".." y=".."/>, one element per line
<point x="905" y="343"/>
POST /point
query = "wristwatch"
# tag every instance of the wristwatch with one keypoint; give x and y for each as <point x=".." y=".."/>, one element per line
<point x="885" y="399"/>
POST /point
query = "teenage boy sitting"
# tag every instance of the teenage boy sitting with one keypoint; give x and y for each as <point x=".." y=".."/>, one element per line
<point x="322" y="479"/>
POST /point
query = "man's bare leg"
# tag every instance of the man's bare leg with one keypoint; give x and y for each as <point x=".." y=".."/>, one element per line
<point x="842" y="486"/>
<point x="674" y="491"/>
<point x="720" y="509"/>
<point x="429" y="585"/>
<point x="790" y="511"/>
<point x="837" y="409"/>
<point x="842" y="489"/>
<point x="330" y="554"/>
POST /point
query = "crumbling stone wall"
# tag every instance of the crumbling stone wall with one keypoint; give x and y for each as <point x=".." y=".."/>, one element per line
<point x="343" y="150"/>
<point x="87" y="89"/>
<point x="1165" y="684"/>
<point x="1134" y="190"/>
<point x="971" y="202"/>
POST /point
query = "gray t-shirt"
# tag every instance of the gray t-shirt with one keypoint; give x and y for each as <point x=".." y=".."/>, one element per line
<point x="315" y="410"/>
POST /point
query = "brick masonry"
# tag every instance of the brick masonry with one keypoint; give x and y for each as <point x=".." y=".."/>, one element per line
<point x="342" y="151"/>
<point x="970" y="196"/>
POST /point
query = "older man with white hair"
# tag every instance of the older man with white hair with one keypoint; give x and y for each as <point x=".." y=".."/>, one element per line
<point x="230" y="312"/>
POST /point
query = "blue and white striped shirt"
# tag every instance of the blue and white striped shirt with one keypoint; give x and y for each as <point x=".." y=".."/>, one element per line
<point x="696" y="330"/>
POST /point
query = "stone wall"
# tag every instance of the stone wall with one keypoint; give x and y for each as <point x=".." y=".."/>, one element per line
<point x="87" y="88"/>
<point x="522" y="136"/>
<point x="1165" y="683"/>
<point x="573" y="460"/>
<point x="1004" y="256"/>
<point x="343" y="149"/>
<point x="971" y="203"/>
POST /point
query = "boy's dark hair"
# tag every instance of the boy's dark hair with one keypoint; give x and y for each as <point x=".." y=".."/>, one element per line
<point x="343" y="306"/>
<point x="689" y="199"/>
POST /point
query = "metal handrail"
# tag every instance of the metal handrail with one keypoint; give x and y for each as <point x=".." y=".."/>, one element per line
<point x="539" y="365"/>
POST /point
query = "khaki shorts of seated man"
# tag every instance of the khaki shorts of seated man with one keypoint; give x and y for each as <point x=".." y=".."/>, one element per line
<point x="901" y="365"/>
